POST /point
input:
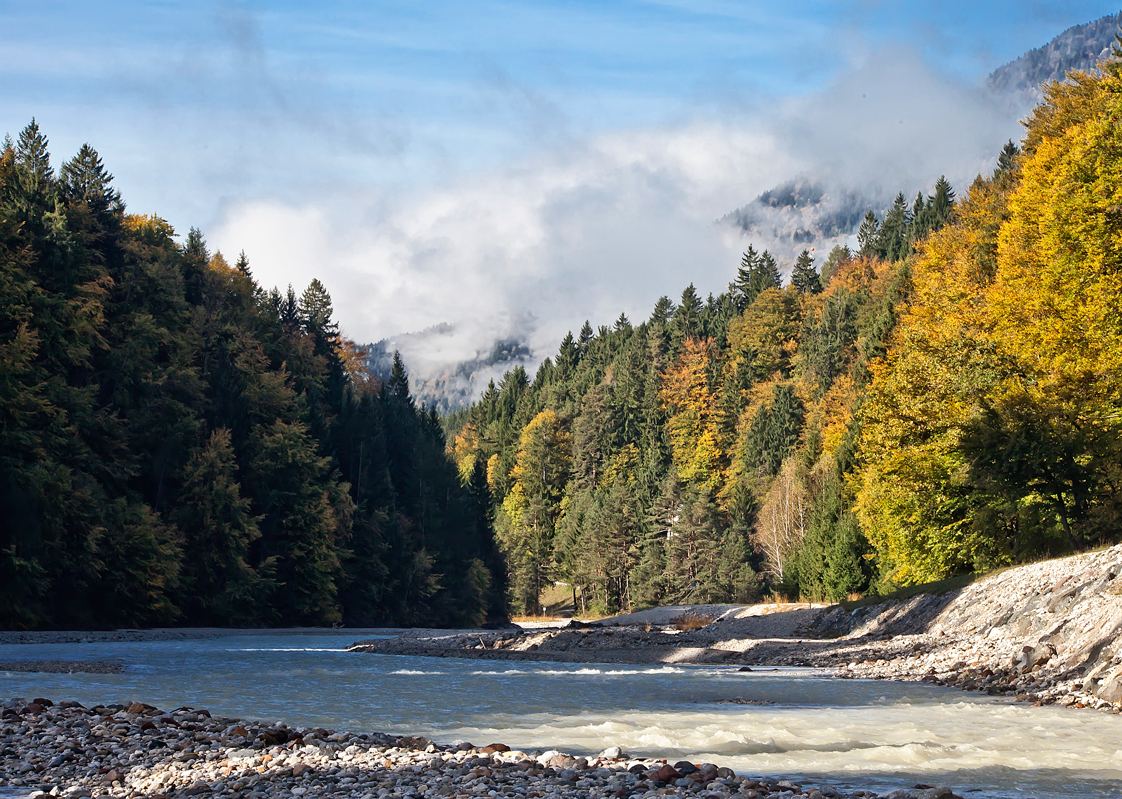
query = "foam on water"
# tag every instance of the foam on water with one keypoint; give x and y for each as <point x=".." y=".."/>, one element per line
<point x="794" y="722"/>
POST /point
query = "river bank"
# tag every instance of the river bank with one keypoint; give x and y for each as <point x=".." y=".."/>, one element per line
<point x="68" y="750"/>
<point x="1045" y="633"/>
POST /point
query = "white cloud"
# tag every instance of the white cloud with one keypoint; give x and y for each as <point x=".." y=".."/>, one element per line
<point x="586" y="230"/>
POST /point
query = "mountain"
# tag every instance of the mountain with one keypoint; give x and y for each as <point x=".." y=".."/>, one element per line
<point x="804" y="212"/>
<point x="439" y="377"/>
<point x="1079" y="47"/>
<point x="801" y="212"/>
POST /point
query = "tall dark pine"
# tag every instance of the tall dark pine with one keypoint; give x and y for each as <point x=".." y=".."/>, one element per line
<point x="804" y="277"/>
<point x="1007" y="159"/>
<point x="942" y="203"/>
<point x="894" y="231"/>
<point x="868" y="237"/>
<point x="741" y="287"/>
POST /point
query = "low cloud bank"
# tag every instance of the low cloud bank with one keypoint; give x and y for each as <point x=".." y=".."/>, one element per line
<point x="586" y="230"/>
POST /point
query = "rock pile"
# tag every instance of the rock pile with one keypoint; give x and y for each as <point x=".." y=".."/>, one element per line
<point x="138" y="751"/>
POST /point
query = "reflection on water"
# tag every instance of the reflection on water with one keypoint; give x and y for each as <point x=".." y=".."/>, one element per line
<point x="799" y="722"/>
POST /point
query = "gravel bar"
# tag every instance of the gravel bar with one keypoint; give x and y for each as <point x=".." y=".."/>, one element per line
<point x="68" y="750"/>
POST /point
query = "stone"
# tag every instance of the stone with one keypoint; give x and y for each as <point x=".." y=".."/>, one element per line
<point x="462" y="746"/>
<point x="112" y="776"/>
<point x="667" y="774"/>
<point x="933" y="793"/>
<point x="545" y="757"/>
<point x="611" y="753"/>
<point x="417" y="742"/>
<point x="300" y="768"/>
<point x="561" y="761"/>
<point x="491" y="749"/>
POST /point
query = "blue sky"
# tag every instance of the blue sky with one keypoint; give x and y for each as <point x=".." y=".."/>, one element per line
<point x="365" y="142"/>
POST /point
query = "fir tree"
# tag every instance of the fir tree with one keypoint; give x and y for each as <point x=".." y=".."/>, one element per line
<point x="868" y="237"/>
<point x="804" y="277"/>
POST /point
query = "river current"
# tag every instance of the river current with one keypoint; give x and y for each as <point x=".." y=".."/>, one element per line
<point x="791" y="722"/>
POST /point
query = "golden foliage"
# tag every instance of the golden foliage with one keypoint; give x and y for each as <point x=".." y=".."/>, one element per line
<point x="695" y="427"/>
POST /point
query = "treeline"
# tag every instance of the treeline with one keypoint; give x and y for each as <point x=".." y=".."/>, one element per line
<point x="946" y="399"/>
<point x="698" y="456"/>
<point x="178" y="445"/>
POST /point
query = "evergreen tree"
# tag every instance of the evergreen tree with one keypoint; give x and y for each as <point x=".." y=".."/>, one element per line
<point x="741" y="287"/>
<point x="868" y="237"/>
<point x="663" y="311"/>
<point x="219" y="585"/>
<point x="687" y="316"/>
<point x="893" y="237"/>
<point x="766" y="275"/>
<point x="942" y="203"/>
<point x="804" y="277"/>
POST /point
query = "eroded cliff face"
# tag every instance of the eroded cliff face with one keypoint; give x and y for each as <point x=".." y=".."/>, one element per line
<point x="1049" y="630"/>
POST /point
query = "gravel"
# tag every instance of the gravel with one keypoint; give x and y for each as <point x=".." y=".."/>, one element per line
<point x="137" y="751"/>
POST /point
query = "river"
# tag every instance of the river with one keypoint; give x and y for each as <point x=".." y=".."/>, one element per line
<point x="795" y="722"/>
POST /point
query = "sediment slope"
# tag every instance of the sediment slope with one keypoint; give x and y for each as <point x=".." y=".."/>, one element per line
<point x="1046" y="632"/>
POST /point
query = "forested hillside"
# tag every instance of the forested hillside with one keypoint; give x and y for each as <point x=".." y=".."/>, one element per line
<point x="178" y="445"/>
<point x="946" y="399"/>
<point x="1080" y="47"/>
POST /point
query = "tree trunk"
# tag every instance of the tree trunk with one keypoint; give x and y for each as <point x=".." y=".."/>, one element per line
<point x="1073" y="540"/>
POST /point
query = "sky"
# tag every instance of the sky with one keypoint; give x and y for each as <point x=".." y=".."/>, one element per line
<point x="512" y="168"/>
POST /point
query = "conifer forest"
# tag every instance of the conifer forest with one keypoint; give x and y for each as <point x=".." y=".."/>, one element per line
<point x="181" y="445"/>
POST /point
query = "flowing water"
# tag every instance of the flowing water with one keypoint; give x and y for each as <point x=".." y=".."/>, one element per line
<point x="800" y="722"/>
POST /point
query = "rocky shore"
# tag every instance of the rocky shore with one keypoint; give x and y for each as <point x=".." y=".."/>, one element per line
<point x="1046" y="633"/>
<point x="138" y="751"/>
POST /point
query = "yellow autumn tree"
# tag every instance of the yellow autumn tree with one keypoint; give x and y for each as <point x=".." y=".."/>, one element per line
<point x="695" y="426"/>
<point x="914" y="501"/>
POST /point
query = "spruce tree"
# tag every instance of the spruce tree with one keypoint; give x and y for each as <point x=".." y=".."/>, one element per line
<point x="663" y="311"/>
<point x="741" y="287"/>
<point x="942" y="203"/>
<point x="804" y="277"/>
<point x="868" y="237"/>
<point x="687" y="316"/>
<point x="766" y="275"/>
<point x="893" y="241"/>
<point x="1007" y="159"/>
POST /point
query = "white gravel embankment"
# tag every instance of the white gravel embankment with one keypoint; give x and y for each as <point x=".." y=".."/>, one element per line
<point x="1047" y="633"/>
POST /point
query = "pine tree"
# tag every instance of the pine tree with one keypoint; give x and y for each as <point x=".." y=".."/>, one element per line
<point x="893" y="239"/>
<point x="868" y="237"/>
<point x="766" y="275"/>
<point x="584" y="341"/>
<point x="663" y="311"/>
<point x="741" y="287"/>
<point x="398" y="384"/>
<point x="804" y="277"/>
<point x="687" y="316"/>
<point x="33" y="157"/>
<point x="942" y="203"/>
<point x="219" y="586"/>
